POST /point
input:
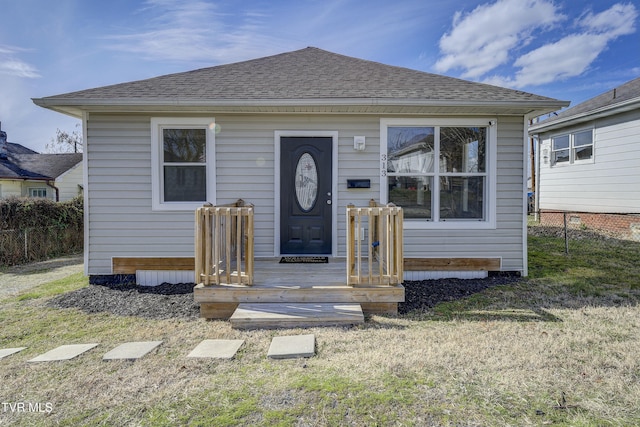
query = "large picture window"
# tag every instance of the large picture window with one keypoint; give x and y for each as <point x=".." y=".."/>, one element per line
<point x="439" y="172"/>
<point x="183" y="162"/>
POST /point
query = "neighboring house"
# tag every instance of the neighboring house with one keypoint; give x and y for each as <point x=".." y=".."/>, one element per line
<point x="589" y="161"/>
<point x="26" y="173"/>
<point x="157" y="149"/>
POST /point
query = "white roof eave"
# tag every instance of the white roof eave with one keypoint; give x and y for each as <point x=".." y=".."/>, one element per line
<point x="75" y="106"/>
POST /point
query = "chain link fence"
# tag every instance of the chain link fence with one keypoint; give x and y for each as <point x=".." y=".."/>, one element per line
<point x="41" y="243"/>
<point x="586" y="228"/>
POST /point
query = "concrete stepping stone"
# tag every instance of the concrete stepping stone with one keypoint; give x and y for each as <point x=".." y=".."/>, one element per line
<point x="292" y="347"/>
<point x="217" y="349"/>
<point x="131" y="350"/>
<point x="64" y="352"/>
<point x="9" y="351"/>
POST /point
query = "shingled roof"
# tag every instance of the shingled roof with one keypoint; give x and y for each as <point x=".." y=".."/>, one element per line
<point x="621" y="98"/>
<point x="13" y="148"/>
<point x="309" y="77"/>
<point x="43" y="167"/>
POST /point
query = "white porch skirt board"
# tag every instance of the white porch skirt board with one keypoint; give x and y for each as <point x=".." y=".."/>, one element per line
<point x="158" y="277"/>
<point x="432" y="275"/>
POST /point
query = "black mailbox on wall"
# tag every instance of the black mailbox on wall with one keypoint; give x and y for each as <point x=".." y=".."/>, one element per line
<point x="358" y="183"/>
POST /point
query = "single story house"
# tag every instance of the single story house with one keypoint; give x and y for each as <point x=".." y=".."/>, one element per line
<point x="26" y="173"/>
<point x="588" y="162"/>
<point x="301" y="135"/>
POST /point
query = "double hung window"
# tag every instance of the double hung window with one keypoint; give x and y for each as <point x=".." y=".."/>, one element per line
<point x="572" y="148"/>
<point x="183" y="162"/>
<point x="439" y="172"/>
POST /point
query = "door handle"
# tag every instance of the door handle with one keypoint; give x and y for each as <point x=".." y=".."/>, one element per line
<point x="329" y="201"/>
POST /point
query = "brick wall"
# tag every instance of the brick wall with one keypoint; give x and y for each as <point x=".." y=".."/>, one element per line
<point x="625" y="226"/>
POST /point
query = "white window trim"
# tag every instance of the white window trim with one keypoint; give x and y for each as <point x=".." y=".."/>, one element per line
<point x="157" y="175"/>
<point x="572" y="147"/>
<point x="491" y="174"/>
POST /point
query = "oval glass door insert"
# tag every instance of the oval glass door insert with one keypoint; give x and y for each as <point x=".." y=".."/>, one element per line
<point x="306" y="182"/>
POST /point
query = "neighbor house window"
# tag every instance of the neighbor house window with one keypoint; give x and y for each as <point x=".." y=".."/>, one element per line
<point x="560" y="149"/>
<point x="439" y="171"/>
<point x="183" y="162"/>
<point x="38" y="192"/>
<point x="574" y="147"/>
<point x="582" y="148"/>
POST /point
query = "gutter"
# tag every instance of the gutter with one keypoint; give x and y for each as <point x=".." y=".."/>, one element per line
<point x="76" y="102"/>
<point x="73" y="106"/>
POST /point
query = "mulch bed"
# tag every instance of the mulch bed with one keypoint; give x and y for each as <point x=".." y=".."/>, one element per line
<point x="169" y="301"/>
<point x="426" y="294"/>
<point x="165" y="301"/>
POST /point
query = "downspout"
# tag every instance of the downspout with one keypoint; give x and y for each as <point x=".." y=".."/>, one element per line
<point x="525" y="198"/>
<point x="85" y="190"/>
<point x="57" y="190"/>
<point x="536" y="195"/>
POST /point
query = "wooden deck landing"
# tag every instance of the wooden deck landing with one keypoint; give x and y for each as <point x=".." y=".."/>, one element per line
<point x="297" y="283"/>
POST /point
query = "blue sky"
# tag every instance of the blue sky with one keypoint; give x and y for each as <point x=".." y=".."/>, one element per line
<point x="565" y="49"/>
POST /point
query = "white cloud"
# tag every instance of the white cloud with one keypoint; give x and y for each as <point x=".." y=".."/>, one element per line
<point x="572" y="55"/>
<point x="616" y="21"/>
<point x="222" y="32"/>
<point x="194" y="31"/>
<point x="565" y="58"/>
<point x="482" y="39"/>
<point x="11" y="65"/>
<point x="477" y="50"/>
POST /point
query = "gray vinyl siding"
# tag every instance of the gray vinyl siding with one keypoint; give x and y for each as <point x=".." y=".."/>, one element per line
<point x="121" y="222"/>
<point x="609" y="183"/>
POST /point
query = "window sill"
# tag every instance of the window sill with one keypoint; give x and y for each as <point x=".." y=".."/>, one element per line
<point x="176" y="206"/>
<point x="577" y="162"/>
<point x="449" y="225"/>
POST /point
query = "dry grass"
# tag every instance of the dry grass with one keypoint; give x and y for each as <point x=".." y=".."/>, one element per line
<point x="534" y="353"/>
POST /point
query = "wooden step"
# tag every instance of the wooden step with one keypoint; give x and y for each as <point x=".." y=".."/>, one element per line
<point x="305" y="293"/>
<point x="294" y="315"/>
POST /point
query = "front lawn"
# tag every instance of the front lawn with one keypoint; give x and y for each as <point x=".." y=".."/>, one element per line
<point x="558" y="348"/>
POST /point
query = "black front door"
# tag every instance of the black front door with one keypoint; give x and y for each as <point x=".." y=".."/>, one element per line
<point x="305" y="195"/>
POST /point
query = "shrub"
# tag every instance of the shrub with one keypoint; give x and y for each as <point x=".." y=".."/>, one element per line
<point x="36" y="229"/>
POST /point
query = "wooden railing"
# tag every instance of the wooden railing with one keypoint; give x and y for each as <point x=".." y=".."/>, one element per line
<point x="381" y="262"/>
<point x="224" y="244"/>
